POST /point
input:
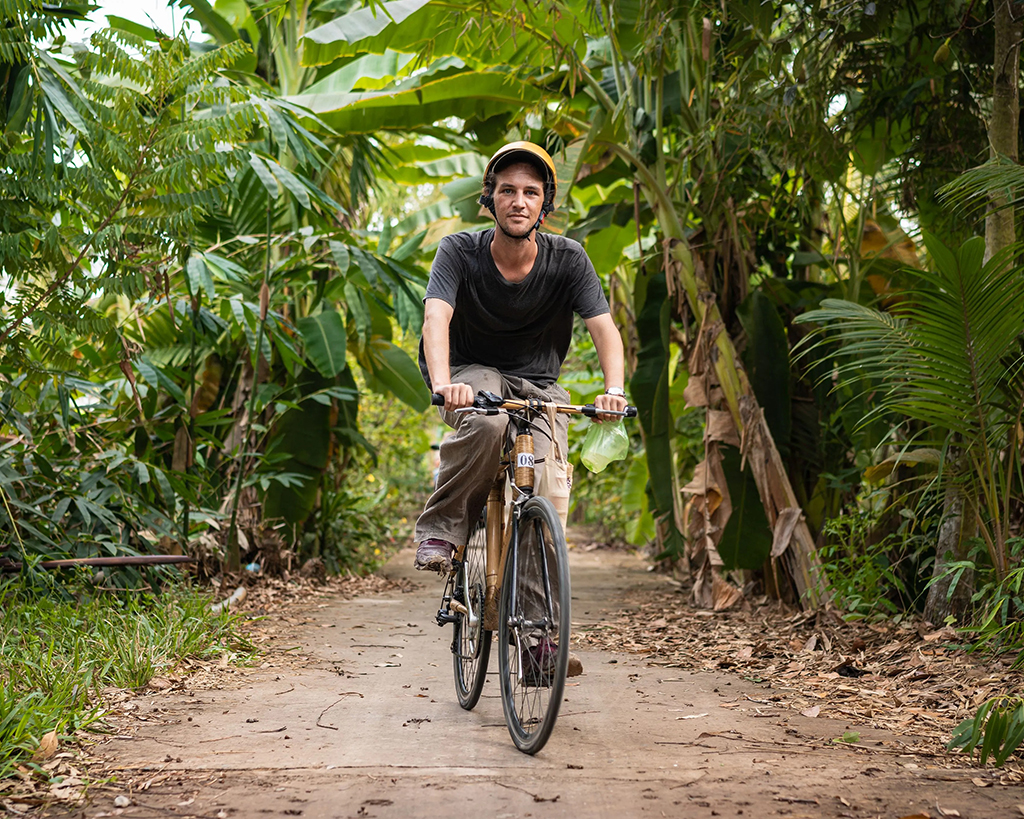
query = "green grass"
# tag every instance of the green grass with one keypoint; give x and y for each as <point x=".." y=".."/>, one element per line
<point x="57" y="655"/>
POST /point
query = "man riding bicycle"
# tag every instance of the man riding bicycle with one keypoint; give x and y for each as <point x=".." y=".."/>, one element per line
<point x="498" y="316"/>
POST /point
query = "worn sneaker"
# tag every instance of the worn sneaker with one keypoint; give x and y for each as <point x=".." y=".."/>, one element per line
<point x="434" y="555"/>
<point x="539" y="664"/>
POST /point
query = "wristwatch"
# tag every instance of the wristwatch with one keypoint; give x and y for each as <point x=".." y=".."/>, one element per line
<point x="621" y="393"/>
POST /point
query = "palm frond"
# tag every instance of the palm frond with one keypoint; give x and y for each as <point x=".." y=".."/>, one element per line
<point x="947" y="350"/>
<point x="970" y="192"/>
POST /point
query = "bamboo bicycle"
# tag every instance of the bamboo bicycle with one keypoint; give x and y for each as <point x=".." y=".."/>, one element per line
<point x="513" y="577"/>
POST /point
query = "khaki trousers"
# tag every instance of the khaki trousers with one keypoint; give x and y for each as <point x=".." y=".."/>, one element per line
<point x="469" y="457"/>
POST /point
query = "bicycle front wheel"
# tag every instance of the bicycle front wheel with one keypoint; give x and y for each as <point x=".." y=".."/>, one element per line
<point x="471" y="643"/>
<point x="533" y="630"/>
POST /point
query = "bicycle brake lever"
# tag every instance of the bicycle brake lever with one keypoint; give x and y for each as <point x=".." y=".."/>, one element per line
<point x="487" y="400"/>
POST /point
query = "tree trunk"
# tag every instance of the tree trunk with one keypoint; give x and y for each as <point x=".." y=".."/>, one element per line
<point x="1000" y="227"/>
<point x="959" y="525"/>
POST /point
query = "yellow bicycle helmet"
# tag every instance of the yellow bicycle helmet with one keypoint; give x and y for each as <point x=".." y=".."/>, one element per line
<point x="515" y="152"/>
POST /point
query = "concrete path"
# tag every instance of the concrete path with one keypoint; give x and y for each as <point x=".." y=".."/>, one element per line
<point x="369" y="726"/>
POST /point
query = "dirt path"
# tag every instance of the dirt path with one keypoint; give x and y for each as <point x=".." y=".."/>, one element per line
<point x="367" y="725"/>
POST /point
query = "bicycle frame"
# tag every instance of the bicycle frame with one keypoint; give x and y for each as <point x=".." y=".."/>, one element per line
<point x="516" y="471"/>
<point x="529" y="608"/>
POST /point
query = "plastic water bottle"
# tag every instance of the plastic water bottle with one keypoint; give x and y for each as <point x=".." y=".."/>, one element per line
<point x="605" y="442"/>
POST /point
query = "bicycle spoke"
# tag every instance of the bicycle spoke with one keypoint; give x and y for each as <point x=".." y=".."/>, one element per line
<point x="534" y="626"/>
<point x="471" y="644"/>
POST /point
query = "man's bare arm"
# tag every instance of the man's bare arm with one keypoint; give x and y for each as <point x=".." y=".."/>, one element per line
<point x="437" y="317"/>
<point x="608" y="343"/>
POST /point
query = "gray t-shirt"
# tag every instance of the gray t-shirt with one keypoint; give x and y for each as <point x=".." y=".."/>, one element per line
<point x="521" y="329"/>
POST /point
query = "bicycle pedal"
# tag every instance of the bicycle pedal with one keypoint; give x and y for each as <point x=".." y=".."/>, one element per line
<point x="443" y="618"/>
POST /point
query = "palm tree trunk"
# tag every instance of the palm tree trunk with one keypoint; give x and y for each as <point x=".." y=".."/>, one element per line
<point x="1000" y="224"/>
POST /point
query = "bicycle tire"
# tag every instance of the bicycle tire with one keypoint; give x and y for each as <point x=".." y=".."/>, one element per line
<point x="471" y="643"/>
<point x="532" y="678"/>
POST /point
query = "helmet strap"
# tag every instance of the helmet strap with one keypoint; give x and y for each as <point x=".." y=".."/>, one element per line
<point x="514" y="238"/>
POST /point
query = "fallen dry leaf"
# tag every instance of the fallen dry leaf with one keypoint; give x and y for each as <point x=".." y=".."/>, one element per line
<point x="882" y="675"/>
<point x="949" y="812"/>
<point x="812" y="712"/>
<point x="981" y="783"/>
<point x="47" y="747"/>
<point x="159" y="684"/>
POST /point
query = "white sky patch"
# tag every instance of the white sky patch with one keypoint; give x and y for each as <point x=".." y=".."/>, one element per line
<point x="836" y="105"/>
<point x="157" y="13"/>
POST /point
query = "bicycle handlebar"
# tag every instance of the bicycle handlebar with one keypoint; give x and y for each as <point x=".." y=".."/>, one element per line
<point x="489" y="401"/>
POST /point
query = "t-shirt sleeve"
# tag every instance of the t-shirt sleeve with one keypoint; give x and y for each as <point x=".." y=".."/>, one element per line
<point x="588" y="295"/>
<point x="445" y="273"/>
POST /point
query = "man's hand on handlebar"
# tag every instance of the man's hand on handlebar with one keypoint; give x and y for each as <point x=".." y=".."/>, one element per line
<point x="616" y="403"/>
<point x="456" y="396"/>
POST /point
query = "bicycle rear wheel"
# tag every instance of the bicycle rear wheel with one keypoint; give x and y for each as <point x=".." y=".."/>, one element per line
<point x="533" y="630"/>
<point x="471" y="643"/>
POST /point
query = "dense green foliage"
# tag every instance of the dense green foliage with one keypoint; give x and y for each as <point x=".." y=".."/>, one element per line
<point x="185" y="305"/>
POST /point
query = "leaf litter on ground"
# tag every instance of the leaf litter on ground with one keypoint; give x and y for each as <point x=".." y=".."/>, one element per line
<point x="905" y="678"/>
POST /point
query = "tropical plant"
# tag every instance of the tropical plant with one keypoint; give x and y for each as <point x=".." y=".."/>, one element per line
<point x="999" y="620"/>
<point x="998" y="727"/>
<point x="948" y="357"/>
<point x="185" y="286"/>
<point x="133" y="139"/>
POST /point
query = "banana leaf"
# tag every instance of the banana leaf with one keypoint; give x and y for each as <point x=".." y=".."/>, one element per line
<point x="468" y="94"/>
<point x="766" y="359"/>
<point x="479" y="33"/>
<point x="394" y="369"/>
<point x="324" y="337"/>
<point x="747" y="539"/>
<point x="650" y="390"/>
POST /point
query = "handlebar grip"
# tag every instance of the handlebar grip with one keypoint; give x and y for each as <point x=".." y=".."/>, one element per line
<point x="591" y="411"/>
<point x="436" y="400"/>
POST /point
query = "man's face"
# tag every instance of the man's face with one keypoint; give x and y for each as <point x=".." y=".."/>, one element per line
<point x="518" y="199"/>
